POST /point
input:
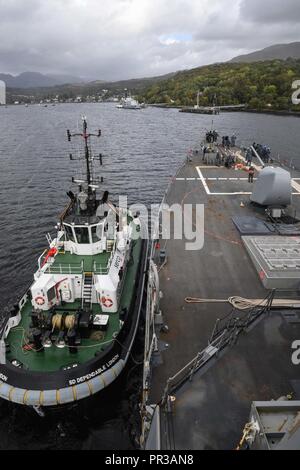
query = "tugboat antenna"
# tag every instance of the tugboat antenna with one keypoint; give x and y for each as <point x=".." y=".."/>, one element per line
<point x="87" y="154"/>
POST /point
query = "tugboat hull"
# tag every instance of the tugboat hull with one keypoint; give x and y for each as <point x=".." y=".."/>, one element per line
<point x="62" y="387"/>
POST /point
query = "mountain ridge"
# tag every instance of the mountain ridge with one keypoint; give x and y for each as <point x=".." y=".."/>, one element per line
<point x="276" y="51"/>
<point x="30" y="80"/>
<point x="27" y="80"/>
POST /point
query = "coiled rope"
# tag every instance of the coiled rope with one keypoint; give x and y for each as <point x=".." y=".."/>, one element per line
<point x="57" y="322"/>
<point x="70" y="322"/>
<point x="245" y="304"/>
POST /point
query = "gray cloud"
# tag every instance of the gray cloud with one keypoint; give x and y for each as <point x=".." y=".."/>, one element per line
<point x="117" y="39"/>
<point x="270" y="11"/>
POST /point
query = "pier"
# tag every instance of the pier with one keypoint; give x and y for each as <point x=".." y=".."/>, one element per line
<point x="213" y="109"/>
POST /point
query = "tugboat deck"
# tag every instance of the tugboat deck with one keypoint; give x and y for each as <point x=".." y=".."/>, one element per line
<point x="70" y="263"/>
<point x="211" y="411"/>
<point x="54" y="358"/>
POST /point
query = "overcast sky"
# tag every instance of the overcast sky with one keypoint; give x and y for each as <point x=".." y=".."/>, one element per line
<point x="116" y="39"/>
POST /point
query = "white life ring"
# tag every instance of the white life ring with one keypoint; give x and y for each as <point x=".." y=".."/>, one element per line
<point x="107" y="302"/>
<point x="39" y="300"/>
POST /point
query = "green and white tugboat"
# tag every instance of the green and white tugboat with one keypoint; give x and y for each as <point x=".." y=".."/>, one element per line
<point x="71" y="334"/>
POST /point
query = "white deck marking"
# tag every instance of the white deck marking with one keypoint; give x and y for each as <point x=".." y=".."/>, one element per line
<point x="227" y="179"/>
<point x="246" y="179"/>
<point x="203" y="180"/>
<point x="231" y="194"/>
<point x="296" y="186"/>
<point x="186" y="179"/>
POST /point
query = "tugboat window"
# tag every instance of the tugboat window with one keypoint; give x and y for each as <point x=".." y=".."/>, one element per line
<point x="97" y="233"/>
<point x="69" y="233"/>
<point x="82" y="235"/>
<point x="51" y="294"/>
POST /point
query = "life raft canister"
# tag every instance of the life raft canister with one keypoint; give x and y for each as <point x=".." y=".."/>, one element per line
<point x="51" y="253"/>
<point x="39" y="300"/>
<point x="107" y="302"/>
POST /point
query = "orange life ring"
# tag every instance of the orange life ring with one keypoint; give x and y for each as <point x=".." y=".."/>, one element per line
<point x="107" y="302"/>
<point x="39" y="300"/>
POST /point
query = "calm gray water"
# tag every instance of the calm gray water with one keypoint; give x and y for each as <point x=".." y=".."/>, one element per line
<point x="142" y="151"/>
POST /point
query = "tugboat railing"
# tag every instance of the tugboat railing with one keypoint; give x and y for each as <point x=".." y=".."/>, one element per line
<point x="104" y="270"/>
<point x="40" y="259"/>
<point x="66" y="268"/>
<point x="99" y="269"/>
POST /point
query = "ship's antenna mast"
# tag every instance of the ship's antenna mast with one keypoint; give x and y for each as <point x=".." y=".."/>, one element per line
<point x="87" y="153"/>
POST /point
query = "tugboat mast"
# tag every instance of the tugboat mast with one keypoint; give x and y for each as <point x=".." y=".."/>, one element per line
<point x="87" y="154"/>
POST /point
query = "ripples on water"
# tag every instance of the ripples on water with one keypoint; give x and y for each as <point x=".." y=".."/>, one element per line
<point x="142" y="150"/>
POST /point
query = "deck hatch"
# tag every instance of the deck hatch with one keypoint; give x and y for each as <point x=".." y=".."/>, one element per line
<point x="278" y="257"/>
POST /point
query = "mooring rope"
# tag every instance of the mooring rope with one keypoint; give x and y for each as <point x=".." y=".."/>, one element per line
<point x="245" y="304"/>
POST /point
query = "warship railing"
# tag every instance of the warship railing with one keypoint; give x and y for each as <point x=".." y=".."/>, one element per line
<point x="287" y="162"/>
<point x="225" y="334"/>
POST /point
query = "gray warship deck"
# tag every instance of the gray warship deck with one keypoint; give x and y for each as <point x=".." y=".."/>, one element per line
<point x="211" y="411"/>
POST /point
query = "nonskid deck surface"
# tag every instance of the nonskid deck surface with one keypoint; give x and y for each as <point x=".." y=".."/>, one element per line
<point x="220" y="270"/>
<point x="212" y="410"/>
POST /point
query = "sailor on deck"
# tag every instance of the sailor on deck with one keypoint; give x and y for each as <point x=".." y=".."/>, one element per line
<point x="249" y="156"/>
<point x="251" y="173"/>
<point x="215" y="136"/>
<point x="218" y="159"/>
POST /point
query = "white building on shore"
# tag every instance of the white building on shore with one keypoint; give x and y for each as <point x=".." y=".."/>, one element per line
<point x="2" y="92"/>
